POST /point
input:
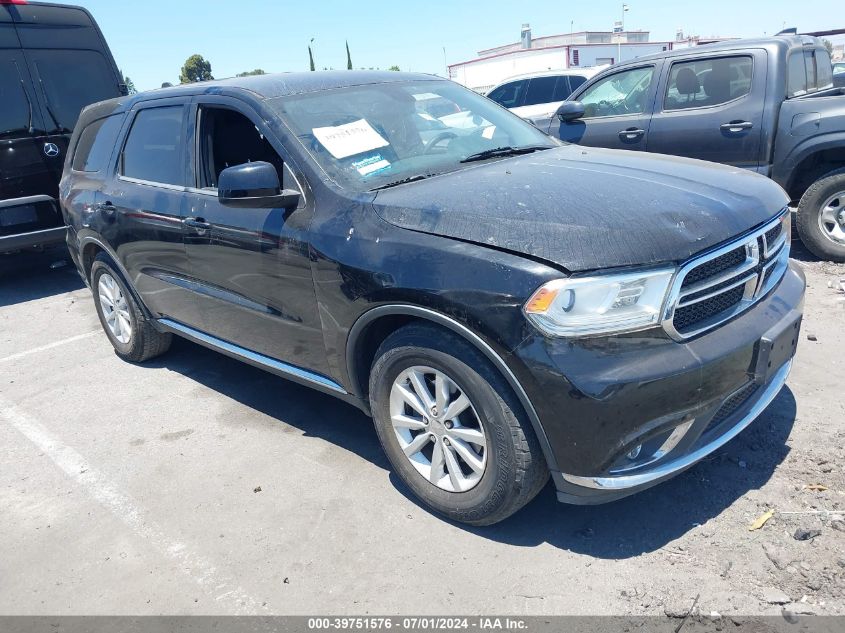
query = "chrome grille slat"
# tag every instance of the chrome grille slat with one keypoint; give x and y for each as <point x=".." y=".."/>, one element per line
<point x="722" y="290"/>
<point x="723" y="274"/>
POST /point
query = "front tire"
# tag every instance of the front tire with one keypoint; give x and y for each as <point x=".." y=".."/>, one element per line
<point x="131" y="334"/>
<point x="452" y="428"/>
<point x="821" y="217"/>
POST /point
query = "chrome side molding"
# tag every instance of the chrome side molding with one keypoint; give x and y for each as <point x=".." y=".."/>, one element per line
<point x="253" y="358"/>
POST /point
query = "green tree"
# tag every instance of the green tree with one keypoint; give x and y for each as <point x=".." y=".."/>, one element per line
<point x="311" y="57"/>
<point x="130" y="85"/>
<point x="348" y="57"/>
<point x="250" y="73"/>
<point x="167" y="84"/>
<point x="828" y="45"/>
<point x="394" y="68"/>
<point x="196" y="68"/>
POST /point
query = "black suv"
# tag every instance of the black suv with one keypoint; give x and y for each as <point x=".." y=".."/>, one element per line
<point x="53" y="62"/>
<point x="504" y="306"/>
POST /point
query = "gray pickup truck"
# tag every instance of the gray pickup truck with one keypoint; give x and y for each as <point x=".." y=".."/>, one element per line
<point x="767" y="105"/>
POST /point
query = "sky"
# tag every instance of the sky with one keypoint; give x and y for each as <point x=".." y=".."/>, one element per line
<point x="151" y="39"/>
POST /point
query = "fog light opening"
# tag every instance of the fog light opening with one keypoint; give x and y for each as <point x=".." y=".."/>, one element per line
<point x="635" y="453"/>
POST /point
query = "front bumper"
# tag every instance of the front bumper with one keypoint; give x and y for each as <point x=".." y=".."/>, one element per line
<point x="624" y="413"/>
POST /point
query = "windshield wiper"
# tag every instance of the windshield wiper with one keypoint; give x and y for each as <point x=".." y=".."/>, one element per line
<point x="29" y="103"/>
<point x="504" y="151"/>
<point x="400" y="182"/>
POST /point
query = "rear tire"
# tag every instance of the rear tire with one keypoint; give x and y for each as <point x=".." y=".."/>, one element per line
<point x="505" y="468"/>
<point x="131" y="334"/>
<point x="821" y="217"/>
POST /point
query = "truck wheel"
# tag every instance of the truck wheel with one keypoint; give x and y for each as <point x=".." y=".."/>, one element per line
<point x="821" y="217"/>
<point x="452" y="428"/>
<point x="133" y="337"/>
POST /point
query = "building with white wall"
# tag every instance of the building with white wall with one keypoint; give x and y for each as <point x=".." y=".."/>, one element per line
<point x="553" y="52"/>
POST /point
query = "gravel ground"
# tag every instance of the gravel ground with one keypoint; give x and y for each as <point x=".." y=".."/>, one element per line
<point x="198" y="485"/>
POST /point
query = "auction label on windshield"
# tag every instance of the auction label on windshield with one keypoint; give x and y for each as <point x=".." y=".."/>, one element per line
<point x="350" y="138"/>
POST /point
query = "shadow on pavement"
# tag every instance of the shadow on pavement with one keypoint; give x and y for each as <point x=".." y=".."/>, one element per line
<point x="29" y="276"/>
<point x="626" y="528"/>
<point x="312" y="412"/>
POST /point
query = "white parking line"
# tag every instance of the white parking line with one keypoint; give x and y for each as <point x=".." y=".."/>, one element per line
<point x="207" y="576"/>
<point x="44" y="348"/>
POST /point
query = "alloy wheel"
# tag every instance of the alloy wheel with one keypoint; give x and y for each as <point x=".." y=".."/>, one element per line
<point x="115" y="308"/>
<point x="832" y="218"/>
<point x="438" y="428"/>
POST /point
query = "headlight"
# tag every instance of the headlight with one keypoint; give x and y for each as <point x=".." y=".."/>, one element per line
<point x="604" y="304"/>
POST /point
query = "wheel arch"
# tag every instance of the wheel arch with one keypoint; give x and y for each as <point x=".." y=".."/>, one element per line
<point x="89" y="247"/>
<point x="813" y="163"/>
<point x="375" y="325"/>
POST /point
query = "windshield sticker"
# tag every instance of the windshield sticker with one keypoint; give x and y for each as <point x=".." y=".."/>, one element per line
<point x="426" y="96"/>
<point x="488" y="132"/>
<point x="371" y="165"/>
<point x="349" y="139"/>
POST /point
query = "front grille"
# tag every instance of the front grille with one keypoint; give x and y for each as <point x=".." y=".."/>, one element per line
<point x="715" y="287"/>
<point x="772" y="235"/>
<point x="720" y="264"/>
<point x="688" y="316"/>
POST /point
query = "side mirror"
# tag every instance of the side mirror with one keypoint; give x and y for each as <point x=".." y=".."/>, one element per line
<point x="254" y="186"/>
<point x="570" y="110"/>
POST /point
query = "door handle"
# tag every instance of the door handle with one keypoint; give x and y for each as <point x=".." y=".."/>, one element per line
<point x="197" y="223"/>
<point x="736" y="126"/>
<point x="631" y="134"/>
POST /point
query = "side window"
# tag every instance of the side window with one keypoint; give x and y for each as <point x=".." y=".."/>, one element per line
<point x="575" y="82"/>
<point x="510" y="95"/>
<point x="618" y="94"/>
<point x="540" y="90"/>
<point x="707" y="82"/>
<point x="72" y="80"/>
<point x="228" y="138"/>
<point x="96" y="143"/>
<point x="154" y="149"/>
<point x="15" y="117"/>
<point x="796" y="75"/>
<point x="562" y="89"/>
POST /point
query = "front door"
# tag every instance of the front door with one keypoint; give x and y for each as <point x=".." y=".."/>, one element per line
<point x="617" y="110"/>
<point x="252" y="266"/>
<point x="712" y="109"/>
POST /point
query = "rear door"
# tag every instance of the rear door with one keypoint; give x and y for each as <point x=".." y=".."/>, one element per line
<point x="711" y="107"/>
<point x="142" y="206"/>
<point x="66" y="82"/>
<point x="617" y="110"/>
<point x="24" y="171"/>
<point x="70" y="66"/>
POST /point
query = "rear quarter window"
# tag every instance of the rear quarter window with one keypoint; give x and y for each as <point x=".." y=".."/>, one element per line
<point x="96" y="143"/>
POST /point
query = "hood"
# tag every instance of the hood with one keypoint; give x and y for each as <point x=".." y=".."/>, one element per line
<point x="587" y="208"/>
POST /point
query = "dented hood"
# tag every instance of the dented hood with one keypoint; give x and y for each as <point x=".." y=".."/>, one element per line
<point x="587" y="208"/>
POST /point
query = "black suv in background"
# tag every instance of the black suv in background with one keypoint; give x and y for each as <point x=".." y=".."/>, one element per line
<point x="53" y="62"/>
<point x="502" y="305"/>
